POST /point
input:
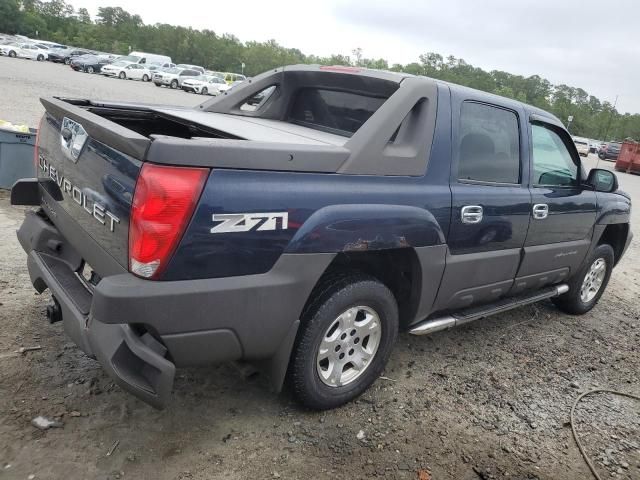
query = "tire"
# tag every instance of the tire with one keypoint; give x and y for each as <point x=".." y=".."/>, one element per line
<point x="90" y="69"/>
<point x="601" y="156"/>
<point x="157" y="84"/>
<point x="327" y="314"/>
<point x="40" y="58"/>
<point x="12" y="54"/>
<point x="67" y="61"/>
<point x="122" y="76"/>
<point x="145" y="78"/>
<point x="174" y="84"/>
<point x="204" y="91"/>
<point x="578" y="301"/>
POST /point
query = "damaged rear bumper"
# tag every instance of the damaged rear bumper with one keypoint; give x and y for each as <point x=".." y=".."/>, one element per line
<point x="141" y="330"/>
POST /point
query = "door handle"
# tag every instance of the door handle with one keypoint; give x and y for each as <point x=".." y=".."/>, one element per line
<point x="471" y="214"/>
<point x="540" y="211"/>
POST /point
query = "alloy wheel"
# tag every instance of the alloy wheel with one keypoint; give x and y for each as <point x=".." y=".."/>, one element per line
<point x="348" y="346"/>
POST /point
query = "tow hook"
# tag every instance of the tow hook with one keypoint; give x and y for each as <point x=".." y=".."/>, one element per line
<point x="54" y="314"/>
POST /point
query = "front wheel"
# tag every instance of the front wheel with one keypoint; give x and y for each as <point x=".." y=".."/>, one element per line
<point x="90" y="69"/>
<point x="145" y="78"/>
<point x="122" y="76"/>
<point x="40" y="58"/>
<point x="345" y="339"/>
<point x="601" y="156"/>
<point x="204" y="91"/>
<point x="588" y="285"/>
<point x="67" y="61"/>
<point x="174" y="84"/>
<point x="12" y="54"/>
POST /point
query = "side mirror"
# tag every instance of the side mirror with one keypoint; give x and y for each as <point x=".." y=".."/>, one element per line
<point x="602" y="180"/>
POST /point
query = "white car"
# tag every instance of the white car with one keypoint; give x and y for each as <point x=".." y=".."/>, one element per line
<point x="204" y="84"/>
<point x="126" y="70"/>
<point x="24" y="50"/>
<point x="224" y="88"/>
<point x="582" y="145"/>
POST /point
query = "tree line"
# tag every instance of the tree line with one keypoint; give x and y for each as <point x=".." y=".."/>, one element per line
<point x="117" y="31"/>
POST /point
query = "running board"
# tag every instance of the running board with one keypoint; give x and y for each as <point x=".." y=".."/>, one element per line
<point x="471" y="314"/>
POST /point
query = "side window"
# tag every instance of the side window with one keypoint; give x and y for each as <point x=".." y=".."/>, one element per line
<point x="255" y="102"/>
<point x="553" y="164"/>
<point x="489" y="148"/>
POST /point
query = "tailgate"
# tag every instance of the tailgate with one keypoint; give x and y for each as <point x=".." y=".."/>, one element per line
<point x="91" y="165"/>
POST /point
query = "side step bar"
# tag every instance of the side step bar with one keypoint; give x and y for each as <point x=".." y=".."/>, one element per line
<point x="469" y="315"/>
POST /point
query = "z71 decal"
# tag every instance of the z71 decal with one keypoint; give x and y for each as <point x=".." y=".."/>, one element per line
<point x="245" y="222"/>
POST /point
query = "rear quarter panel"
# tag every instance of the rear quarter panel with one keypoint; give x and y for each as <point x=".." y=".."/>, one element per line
<point x="326" y="213"/>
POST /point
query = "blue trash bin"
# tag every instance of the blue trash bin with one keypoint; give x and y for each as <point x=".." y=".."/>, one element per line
<point x="16" y="156"/>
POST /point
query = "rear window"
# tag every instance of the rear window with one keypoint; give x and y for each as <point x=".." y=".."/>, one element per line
<point x="333" y="110"/>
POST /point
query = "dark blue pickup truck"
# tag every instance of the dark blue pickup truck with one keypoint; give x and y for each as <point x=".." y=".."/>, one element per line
<point x="302" y="219"/>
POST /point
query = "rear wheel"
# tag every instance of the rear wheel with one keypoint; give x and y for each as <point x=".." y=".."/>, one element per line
<point x="346" y="337"/>
<point x="174" y="84"/>
<point x="588" y="285"/>
<point x="145" y="78"/>
<point x="12" y="54"/>
<point x="205" y="91"/>
<point x="90" y="69"/>
<point x="40" y="58"/>
<point x="122" y="76"/>
<point x="67" y="61"/>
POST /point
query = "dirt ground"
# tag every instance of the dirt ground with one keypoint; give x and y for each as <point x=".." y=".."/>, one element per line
<point x="488" y="400"/>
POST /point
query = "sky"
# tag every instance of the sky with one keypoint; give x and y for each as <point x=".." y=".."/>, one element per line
<point x="590" y="44"/>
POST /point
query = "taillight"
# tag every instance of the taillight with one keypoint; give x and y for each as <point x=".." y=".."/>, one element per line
<point x="163" y="203"/>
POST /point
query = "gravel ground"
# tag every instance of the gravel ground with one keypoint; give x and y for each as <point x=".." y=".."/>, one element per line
<point x="488" y="400"/>
<point x="24" y="82"/>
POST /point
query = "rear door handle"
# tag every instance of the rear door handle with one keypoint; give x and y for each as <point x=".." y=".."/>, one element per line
<point x="540" y="211"/>
<point x="471" y="214"/>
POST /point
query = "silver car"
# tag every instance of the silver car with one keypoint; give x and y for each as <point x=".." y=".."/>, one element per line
<point x="173" y="77"/>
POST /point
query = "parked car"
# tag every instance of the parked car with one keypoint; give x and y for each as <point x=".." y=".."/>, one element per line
<point x="204" y="84"/>
<point x="159" y="66"/>
<point x="610" y="151"/>
<point x="229" y="86"/>
<point x="582" y="145"/>
<point x="124" y="70"/>
<point x="191" y="67"/>
<point x="64" y="55"/>
<point x="173" y="77"/>
<point x="24" y="50"/>
<point x="231" y="77"/>
<point x="308" y="238"/>
<point x="89" y="63"/>
<point x="146" y="58"/>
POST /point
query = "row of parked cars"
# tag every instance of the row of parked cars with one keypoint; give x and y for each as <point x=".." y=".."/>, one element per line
<point x="146" y="67"/>
<point x="604" y="150"/>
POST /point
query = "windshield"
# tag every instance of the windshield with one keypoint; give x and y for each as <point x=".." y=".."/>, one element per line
<point x="120" y="64"/>
<point x="173" y="70"/>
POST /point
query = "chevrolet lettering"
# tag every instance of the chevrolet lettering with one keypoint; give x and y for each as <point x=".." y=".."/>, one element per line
<point x="302" y="219"/>
<point x="97" y="211"/>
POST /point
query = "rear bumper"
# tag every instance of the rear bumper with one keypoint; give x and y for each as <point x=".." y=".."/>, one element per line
<point x="141" y="330"/>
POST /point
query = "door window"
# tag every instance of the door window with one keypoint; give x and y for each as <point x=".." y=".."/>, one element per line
<point x="553" y="164"/>
<point x="489" y="144"/>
